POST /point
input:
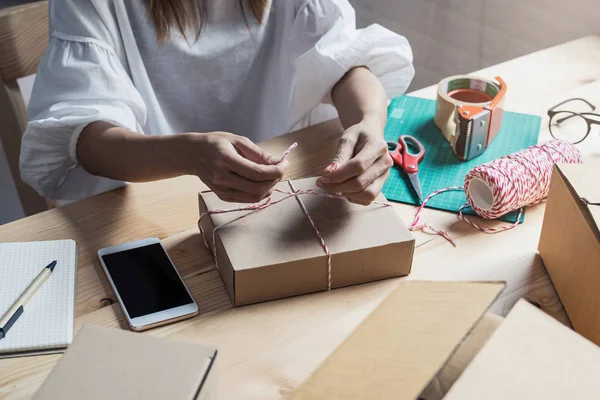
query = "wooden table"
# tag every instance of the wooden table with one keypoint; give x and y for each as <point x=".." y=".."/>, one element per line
<point x="267" y="350"/>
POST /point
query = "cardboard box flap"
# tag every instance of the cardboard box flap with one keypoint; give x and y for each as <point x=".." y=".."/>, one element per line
<point x="584" y="180"/>
<point x="531" y="356"/>
<point x="256" y="240"/>
<point x="403" y="344"/>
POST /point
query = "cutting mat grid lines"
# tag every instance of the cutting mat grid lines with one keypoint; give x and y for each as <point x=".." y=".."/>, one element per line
<point x="440" y="169"/>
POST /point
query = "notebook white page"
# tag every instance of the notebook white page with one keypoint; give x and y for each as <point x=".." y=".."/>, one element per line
<point x="47" y="321"/>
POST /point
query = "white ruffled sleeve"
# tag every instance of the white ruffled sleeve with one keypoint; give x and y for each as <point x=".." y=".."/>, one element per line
<point x="326" y="45"/>
<point x="79" y="80"/>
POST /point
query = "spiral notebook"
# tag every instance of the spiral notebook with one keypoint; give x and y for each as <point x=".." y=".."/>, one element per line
<point x="46" y="325"/>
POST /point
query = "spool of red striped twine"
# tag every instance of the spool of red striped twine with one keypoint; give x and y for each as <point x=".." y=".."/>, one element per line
<point x="507" y="184"/>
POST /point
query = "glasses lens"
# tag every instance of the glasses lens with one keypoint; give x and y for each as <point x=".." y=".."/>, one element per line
<point x="568" y="126"/>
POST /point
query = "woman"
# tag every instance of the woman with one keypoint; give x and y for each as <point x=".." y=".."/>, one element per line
<point x="141" y="90"/>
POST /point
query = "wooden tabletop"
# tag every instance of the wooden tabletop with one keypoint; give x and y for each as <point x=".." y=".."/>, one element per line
<point x="267" y="350"/>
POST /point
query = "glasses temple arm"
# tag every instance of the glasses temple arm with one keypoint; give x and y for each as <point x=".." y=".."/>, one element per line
<point x="573" y="99"/>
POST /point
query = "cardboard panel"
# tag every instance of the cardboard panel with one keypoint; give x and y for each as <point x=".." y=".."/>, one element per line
<point x="308" y="276"/>
<point x="462" y="357"/>
<point x="282" y="280"/>
<point x="225" y="267"/>
<point x="382" y="262"/>
<point x="531" y="356"/>
<point x="570" y="250"/>
<point x="401" y="346"/>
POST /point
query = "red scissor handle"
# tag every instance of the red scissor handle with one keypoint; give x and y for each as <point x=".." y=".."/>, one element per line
<point x="410" y="161"/>
<point x="394" y="151"/>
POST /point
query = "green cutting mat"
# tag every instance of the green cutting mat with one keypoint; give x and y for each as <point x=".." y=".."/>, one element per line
<point x="441" y="168"/>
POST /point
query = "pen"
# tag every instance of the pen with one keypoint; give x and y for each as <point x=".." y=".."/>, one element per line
<point x="13" y="313"/>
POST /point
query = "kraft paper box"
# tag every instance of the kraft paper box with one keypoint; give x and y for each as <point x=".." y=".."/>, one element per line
<point x="104" y="363"/>
<point x="275" y="253"/>
<point x="398" y="349"/>
<point x="570" y="243"/>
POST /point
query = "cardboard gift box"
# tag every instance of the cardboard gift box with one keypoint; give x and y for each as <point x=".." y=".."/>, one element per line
<point x="275" y="252"/>
<point x="570" y="243"/>
<point x="107" y="363"/>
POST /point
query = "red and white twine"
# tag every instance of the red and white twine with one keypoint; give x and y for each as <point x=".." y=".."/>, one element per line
<point x="268" y="203"/>
<point x="515" y="181"/>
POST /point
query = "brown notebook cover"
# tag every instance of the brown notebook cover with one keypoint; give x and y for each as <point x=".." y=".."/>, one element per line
<point x="107" y="363"/>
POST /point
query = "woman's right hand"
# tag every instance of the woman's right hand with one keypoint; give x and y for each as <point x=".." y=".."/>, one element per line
<point x="232" y="166"/>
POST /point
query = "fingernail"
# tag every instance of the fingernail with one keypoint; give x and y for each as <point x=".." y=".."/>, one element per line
<point x="319" y="184"/>
<point x="330" y="168"/>
<point x="324" y="180"/>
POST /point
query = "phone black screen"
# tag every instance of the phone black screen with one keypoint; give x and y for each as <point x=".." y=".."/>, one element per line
<point x="146" y="280"/>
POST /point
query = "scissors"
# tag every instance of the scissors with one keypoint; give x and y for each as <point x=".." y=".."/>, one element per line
<point x="407" y="160"/>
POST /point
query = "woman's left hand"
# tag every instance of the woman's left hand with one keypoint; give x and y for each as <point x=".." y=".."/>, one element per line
<point x="361" y="165"/>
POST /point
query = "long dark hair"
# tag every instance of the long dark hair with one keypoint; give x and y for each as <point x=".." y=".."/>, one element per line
<point x="189" y="14"/>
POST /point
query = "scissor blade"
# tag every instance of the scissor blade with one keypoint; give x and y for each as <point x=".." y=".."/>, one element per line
<point x="414" y="179"/>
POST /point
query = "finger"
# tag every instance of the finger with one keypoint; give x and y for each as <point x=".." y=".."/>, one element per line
<point x="362" y="181"/>
<point x="237" y="196"/>
<point x="251" y="151"/>
<point x="369" y="150"/>
<point x="234" y="162"/>
<point x="228" y="180"/>
<point x="370" y="194"/>
<point x="344" y="152"/>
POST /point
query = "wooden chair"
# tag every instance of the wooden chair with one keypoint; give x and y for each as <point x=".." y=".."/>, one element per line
<point x="23" y="40"/>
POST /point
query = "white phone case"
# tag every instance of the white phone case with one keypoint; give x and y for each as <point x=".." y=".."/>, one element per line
<point x="159" y="318"/>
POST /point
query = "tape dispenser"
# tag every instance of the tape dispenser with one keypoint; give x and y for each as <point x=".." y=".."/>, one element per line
<point x="469" y="113"/>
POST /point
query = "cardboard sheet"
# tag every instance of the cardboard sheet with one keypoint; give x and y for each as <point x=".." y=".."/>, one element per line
<point x="116" y="364"/>
<point x="531" y="356"/>
<point x="584" y="180"/>
<point x="462" y="357"/>
<point x="570" y="244"/>
<point x="275" y="252"/>
<point x="402" y="345"/>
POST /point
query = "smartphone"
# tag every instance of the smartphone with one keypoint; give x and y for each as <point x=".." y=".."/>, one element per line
<point x="147" y="284"/>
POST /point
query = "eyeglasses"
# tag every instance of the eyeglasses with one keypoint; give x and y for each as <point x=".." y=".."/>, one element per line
<point x="570" y="125"/>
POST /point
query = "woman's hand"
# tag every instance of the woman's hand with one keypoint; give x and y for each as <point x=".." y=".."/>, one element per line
<point x="232" y="166"/>
<point x="361" y="165"/>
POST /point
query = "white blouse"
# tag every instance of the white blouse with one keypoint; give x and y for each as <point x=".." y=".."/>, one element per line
<point x="253" y="79"/>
